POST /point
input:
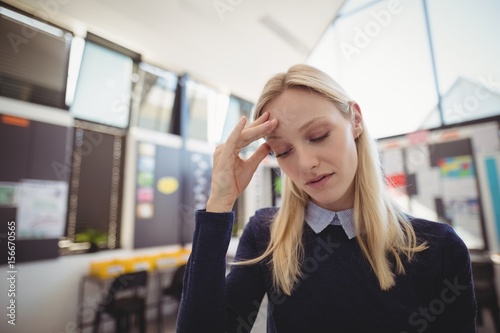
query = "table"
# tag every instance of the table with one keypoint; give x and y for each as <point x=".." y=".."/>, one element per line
<point x="87" y="306"/>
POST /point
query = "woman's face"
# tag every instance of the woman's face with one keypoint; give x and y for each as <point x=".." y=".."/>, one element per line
<point x="315" y="146"/>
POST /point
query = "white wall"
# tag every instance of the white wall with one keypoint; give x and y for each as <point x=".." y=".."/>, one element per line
<point x="47" y="292"/>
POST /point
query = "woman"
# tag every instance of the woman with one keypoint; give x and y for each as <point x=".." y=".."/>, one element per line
<point x="338" y="255"/>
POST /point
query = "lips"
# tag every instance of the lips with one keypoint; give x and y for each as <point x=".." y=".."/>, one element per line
<point x="318" y="179"/>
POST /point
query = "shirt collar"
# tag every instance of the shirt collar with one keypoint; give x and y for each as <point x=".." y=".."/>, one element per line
<point x="319" y="218"/>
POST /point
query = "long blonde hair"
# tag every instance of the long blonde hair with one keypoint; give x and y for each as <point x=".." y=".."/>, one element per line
<point x="382" y="229"/>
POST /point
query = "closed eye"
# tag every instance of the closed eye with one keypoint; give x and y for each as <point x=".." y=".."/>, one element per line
<point x="321" y="138"/>
<point x="283" y="154"/>
<point x="318" y="139"/>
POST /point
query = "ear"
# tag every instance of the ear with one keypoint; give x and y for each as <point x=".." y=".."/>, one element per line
<point x="357" y="120"/>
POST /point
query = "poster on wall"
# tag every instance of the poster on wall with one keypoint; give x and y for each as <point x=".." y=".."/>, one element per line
<point x="41" y="209"/>
<point x="158" y="195"/>
<point x="395" y="175"/>
<point x="198" y="177"/>
<point x="8" y="194"/>
<point x="460" y="198"/>
<point x="451" y="176"/>
<point x="145" y="180"/>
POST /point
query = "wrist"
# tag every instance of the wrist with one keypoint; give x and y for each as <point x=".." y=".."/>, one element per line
<point x="215" y="206"/>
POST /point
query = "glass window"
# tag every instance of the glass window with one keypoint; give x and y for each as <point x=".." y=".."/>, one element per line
<point x="216" y="123"/>
<point x="104" y="86"/>
<point x="156" y="95"/>
<point x="35" y="57"/>
<point x="201" y="103"/>
<point x="465" y="38"/>
<point x="381" y="56"/>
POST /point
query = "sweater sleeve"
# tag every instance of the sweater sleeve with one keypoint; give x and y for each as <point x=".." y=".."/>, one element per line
<point x="455" y="305"/>
<point x="202" y="307"/>
<point x="212" y="302"/>
<point x="246" y="283"/>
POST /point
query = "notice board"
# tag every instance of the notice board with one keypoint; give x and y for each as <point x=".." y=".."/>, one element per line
<point x="450" y="175"/>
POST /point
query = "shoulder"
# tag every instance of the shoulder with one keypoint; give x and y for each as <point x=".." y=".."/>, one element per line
<point x="434" y="232"/>
<point x="264" y="215"/>
<point x="427" y="228"/>
<point x="259" y="224"/>
<point x="262" y="219"/>
<point x="442" y="241"/>
<point x="256" y="234"/>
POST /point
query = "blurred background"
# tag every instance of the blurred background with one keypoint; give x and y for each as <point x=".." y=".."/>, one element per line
<point x="110" y="111"/>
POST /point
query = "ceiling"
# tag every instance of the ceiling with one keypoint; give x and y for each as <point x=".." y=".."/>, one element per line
<point x="232" y="45"/>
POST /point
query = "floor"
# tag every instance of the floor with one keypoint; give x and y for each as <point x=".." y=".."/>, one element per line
<point x="168" y="324"/>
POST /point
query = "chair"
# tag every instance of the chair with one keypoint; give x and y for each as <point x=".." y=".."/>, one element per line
<point x="486" y="293"/>
<point x="173" y="290"/>
<point x="126" y="297"/>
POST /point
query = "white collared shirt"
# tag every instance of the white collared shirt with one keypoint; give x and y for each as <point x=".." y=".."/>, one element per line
<point x="319" y="218"/>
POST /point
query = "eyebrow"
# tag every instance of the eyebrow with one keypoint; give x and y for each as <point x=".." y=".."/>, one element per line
<point x="301" y="129"/>
<point x="310" y="123"/>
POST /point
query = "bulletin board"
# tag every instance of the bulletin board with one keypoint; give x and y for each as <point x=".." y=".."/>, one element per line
<point x="157" y="195"/>
<point x="450" y="175"/>
<point x="168" y="191"/>
<point x="33" y="185"/>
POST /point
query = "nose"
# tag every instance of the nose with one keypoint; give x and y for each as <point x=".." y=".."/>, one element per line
<point x="307" y="158"/>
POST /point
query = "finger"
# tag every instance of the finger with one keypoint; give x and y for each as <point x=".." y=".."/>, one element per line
<point x="231" y="143"/>
<point x="258" y="156"/>
<point x="217" y="151"/>
<point x="262" y="119"/>
<point x="250" y="135"/>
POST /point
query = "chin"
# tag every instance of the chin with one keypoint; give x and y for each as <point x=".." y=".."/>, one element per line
<point x="334" y="203"/>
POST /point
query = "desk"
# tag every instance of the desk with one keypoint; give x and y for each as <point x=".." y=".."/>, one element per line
<point x="87" y="306"/>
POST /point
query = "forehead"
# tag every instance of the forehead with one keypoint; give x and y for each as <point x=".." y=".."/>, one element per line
<point x="297" y="106"/>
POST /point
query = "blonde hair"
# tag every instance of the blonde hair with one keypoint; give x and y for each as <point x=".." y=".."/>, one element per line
<point x="382" y="229"/>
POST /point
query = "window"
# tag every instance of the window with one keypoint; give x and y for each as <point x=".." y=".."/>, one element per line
<point x="203" y="104"/>
<point x="35" y="57"/>
<point x="380" y="55"/>
<point x="380" y="52"/>
<point x="198" y="97"/>
<point x="104" y="86"/>
<point x="156" y="95"/>
<point x="465" y="38"/>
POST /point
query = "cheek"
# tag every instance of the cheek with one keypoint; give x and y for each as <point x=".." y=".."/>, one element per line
<point x="287" y="167"/>
<point x="352" y="154"/>
<point x="345" y="155"/>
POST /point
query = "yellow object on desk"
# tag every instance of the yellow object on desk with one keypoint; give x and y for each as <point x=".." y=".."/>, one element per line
<point x="111" y="268"/>
<point x="107" y="269"/>
<point x="167" y="260"/>
<point x="183" y="257"/>
<point x="136" y="264"/>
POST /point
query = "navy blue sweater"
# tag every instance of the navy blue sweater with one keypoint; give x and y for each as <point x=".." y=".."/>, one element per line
<point x="339" y="291"/>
